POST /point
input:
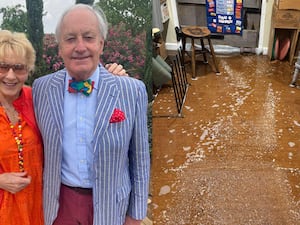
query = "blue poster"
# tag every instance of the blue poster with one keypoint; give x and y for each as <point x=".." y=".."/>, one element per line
<point x="224" y="16"/>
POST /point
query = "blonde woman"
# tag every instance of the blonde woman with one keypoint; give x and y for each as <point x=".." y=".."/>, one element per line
<point x="21" y="157"/>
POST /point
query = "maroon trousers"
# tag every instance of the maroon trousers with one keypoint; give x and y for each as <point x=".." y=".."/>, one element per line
<point x="75" y="207"/>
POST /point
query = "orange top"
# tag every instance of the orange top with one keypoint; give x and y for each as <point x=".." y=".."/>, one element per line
<point x="24" y="207"/>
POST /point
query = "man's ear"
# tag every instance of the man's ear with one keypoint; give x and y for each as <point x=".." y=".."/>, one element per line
<point x="101" y="47"/>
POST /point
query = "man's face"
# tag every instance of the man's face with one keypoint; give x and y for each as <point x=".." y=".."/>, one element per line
<point x="80" y="43"/>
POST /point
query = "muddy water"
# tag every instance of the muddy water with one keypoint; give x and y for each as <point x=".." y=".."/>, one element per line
<point x="234" y="157"/>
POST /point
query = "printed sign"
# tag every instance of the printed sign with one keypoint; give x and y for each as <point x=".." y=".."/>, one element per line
<point x="224" y="16"/>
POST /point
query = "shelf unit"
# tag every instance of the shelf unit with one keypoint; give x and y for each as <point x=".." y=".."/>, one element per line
<point x="285" y="23"/>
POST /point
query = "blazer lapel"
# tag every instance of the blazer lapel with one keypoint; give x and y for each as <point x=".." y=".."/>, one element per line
<point x="55" y="97"/>
<point x="107" y="97"/>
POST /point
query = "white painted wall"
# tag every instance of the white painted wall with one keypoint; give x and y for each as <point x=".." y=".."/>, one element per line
<point x="265" y="25"/>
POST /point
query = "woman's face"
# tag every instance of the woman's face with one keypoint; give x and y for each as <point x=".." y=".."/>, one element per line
<point x="13" y="74"/>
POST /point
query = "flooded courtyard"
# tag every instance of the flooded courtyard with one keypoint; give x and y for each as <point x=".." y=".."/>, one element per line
<point x="234" y="156"/>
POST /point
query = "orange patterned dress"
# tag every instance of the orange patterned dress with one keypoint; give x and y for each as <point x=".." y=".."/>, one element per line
<point x="24" y="207"/>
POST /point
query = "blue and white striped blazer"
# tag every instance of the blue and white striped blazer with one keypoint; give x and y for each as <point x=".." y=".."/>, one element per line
<point x="121" y="154"/>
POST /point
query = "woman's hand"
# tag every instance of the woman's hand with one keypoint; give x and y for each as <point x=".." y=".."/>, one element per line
<point x="116" y="69"/>
<point x="14" y="182"/>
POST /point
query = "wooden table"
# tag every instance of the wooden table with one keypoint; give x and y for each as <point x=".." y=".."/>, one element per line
<point x="198" y="32"/>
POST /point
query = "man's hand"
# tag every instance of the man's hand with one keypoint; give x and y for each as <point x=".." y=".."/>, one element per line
<point x="116" y="69"/>
<point x="130" y="221"/>
<point x="14" y="182"/>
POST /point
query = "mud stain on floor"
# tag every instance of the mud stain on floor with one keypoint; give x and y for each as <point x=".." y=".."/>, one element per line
<point x="234" y="156"/>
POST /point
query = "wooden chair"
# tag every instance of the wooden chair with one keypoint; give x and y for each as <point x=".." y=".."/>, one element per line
<point x="202" y="34"/>
<point x="181" y="37"/>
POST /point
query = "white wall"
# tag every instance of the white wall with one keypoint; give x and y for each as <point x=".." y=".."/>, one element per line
<point x="265" y="25"/>
<point x="171" y="41"/>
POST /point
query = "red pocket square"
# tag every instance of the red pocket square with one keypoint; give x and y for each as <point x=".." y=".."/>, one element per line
<point x="117" y="116"/>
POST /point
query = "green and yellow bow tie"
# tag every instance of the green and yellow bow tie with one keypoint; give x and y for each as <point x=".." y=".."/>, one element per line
<point x="85" y="86"/>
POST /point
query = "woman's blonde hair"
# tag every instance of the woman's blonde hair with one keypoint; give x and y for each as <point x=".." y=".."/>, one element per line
<point x="14" y="43"/>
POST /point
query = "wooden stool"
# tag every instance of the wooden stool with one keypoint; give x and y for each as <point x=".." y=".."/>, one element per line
<point x="197" y="32"/>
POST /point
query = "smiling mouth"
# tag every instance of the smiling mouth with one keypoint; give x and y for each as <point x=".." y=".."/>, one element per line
<point x="9" y="84"/>
<point x="80" y="58"/>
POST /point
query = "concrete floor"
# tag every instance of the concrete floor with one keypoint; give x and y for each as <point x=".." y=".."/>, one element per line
<point x="234" y="157"/>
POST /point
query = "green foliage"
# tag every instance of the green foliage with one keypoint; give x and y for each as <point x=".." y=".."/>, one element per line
<point x="36" y="35"/>
<point x="148" y="83"/>
<point x="148" y="66"/>
<point x="50" y="54"/>
<point x="134" y="13"/>
<point x="14" y="18"/>
<point x="87" y="2"/>
<point x="35" y="26"/>
<point x="40" y="70"/>
<point x="124" y="48"/>
<point x="50" y="62"/>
